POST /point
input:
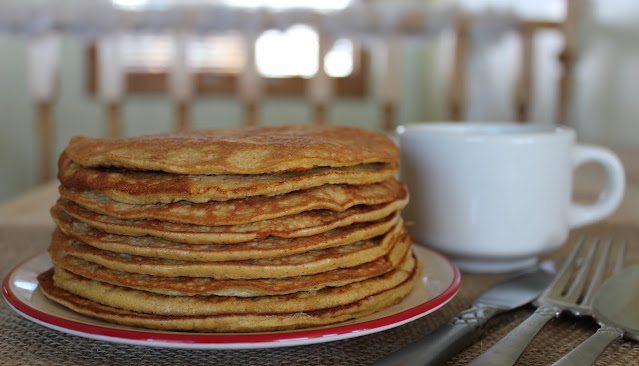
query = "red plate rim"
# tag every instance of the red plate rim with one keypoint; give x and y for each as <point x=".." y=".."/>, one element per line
<point x="231" y="338"/>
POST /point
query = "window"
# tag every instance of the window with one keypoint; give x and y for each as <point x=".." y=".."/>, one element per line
<point x="286" y="59"/>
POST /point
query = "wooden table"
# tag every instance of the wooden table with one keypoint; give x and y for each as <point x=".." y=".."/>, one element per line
<point x="25" y="226"/>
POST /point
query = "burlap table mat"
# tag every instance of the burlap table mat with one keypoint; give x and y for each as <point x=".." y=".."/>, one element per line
<point x="25" y="343"/>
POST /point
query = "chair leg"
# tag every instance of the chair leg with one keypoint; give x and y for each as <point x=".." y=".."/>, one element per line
<point x="320" y="114"/>
<point x="114" y="120"/>
<point x="45" y="129"/>
<point x="524" y="83"/>
<point x="250" y="113"/>
<point x="183" y="115"/>
<point x="457" y="89"/>
<point x="389" y="116"/>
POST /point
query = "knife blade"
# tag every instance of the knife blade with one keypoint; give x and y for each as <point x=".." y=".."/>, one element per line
<point x="438" y="346"/>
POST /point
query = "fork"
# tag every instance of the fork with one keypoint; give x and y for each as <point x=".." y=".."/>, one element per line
<point x="569" y="291"/>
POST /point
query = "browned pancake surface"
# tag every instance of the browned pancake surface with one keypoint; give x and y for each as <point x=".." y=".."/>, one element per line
<point x="147" y="187"/>
<point x="191" y="286"/>
<point x="252" y="150"/>
<point x="269" y="247"/>
<point x="306" y="263"/>
<point x="228" y="322"/>
<point x="303" y="224"/>
<point x="238" y="211"/>
<point x="231" y="230"/>
<point x="171" y="305"/>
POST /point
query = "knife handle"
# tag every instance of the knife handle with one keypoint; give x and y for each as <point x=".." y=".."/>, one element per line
<point x="509" y="348"/>
<point x="438" y="346"/>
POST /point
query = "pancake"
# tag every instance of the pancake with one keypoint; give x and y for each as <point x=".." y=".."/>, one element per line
<point x="229" y="322"/>
<point x="150" y="246"/>
<point x="303" y="224"/>
<point x="158" y="304"/>
<point x="252" y="150"/>
<point x="311" y="262"/>
<point x="230" y="230"/>
<point x="148" y="187"/>
<point x="239" y="211"/>
<point x="203" y="286"/>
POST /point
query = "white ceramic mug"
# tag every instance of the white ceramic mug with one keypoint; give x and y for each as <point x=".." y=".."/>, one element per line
<point x="493" y="197"/>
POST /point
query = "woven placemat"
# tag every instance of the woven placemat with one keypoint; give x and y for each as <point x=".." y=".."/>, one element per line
<point x="23" y="342"/>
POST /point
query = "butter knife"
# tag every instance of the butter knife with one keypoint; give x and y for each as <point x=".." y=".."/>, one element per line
<point x="443" y="343"/>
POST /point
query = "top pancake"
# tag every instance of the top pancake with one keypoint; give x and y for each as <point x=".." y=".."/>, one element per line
<point x="253" y="150"/>
<point x="149" y="187"/>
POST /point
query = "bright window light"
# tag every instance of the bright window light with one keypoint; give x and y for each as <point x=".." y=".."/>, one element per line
<point x="291" y="53"/>
<point x="129" y="4"/>
<point x="278" y="54"/>
<point x="339" y="60"/>
<point x="141" y="5"/>
<point x="321" y="5"/>
<point x="287" y="4"/>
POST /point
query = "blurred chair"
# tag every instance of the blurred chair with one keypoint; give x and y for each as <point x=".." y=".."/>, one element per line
<point x="109" y="83"/>
<point x="526" y="30"/>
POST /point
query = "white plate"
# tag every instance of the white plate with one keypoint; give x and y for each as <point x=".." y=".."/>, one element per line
<point x="438" y="284"/>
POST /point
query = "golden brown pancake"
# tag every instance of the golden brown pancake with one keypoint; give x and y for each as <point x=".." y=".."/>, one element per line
<point x="158" y="304"/>
<point x="303" y="224"/>
<point x="230" y="230"/>
<point x="311" y="262"/>
<point x="229" y="322"/>
<point x="335" y="197"/>
<point x="150" y="246"/>
<point x="203" y="286"/>
<point x="252" y="150"/>
<point x="148" y="187"/>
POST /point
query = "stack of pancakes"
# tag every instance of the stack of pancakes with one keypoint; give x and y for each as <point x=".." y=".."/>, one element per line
<point x="230" y="230"/>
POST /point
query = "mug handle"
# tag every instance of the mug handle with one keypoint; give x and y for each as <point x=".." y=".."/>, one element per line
<point x="610" y="198"/>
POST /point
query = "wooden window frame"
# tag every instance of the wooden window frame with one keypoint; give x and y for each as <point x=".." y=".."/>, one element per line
<point x="354" y="85"/>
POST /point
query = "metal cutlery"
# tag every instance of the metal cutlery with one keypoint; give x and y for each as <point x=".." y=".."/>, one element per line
<point x="615" y="306"/>
<point x="441" y="344"/>
<point x="572" y="290"/>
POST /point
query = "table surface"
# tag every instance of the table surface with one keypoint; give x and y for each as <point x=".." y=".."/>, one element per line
<point x="25" y="227"/>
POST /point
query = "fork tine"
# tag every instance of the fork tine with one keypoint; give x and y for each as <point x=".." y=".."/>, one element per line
<point x="600" y="273"/>
<point x="577" y="286"/>
<point x="565" y="273"/>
